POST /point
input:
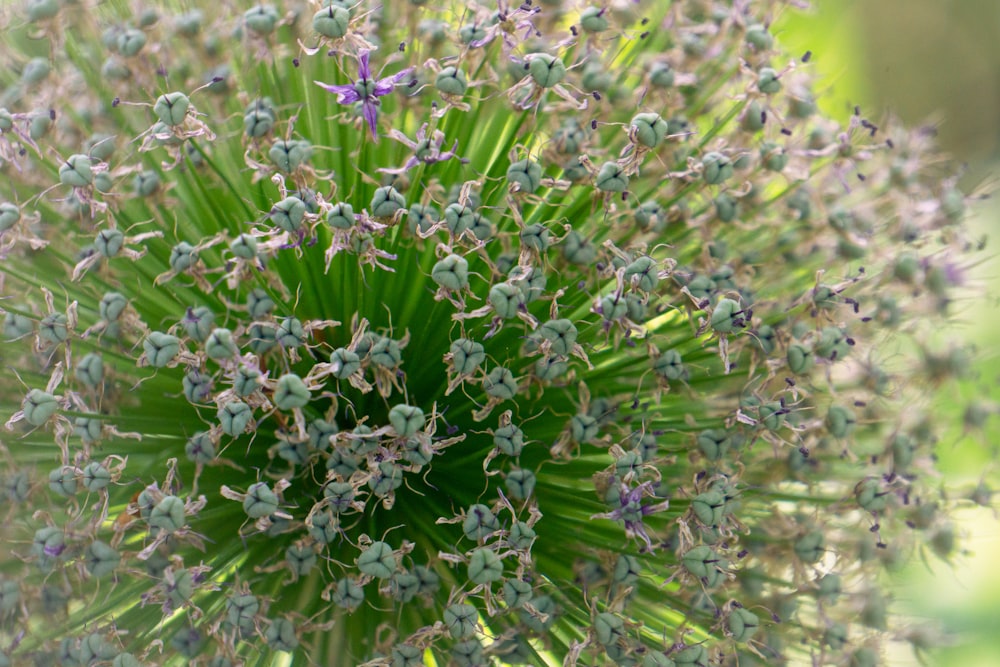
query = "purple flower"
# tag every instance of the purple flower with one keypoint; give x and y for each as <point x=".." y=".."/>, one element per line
<point x="366" y="89"/>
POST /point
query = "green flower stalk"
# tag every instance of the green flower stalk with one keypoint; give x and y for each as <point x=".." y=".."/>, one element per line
<point x="538" y="334"/>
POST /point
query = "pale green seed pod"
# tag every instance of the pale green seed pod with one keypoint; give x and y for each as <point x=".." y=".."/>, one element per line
<point x="670" y="366"/>
<point x="62" y="481"/>
<point x="649" y="128"/>
<point x="387" y="478"/>
<point x="130" y="42"/>
<point x="168" y="514"/>
<point x="727" y="316"/>
<point x="870" y="495"/>
<point x="341" y="216"/>
<point x="280" y="635"/>
<point x="288" y="214"/>
<point x="545" y="70"/>
<point x="109" y="242"/>
<point x="234" y="417"/>
<point x="90" y="370"/>
<point x="241" y="610"/>
<point x="112" y="306"/>
<point x="244" y="246"/>
<point x="506" y="300"/>
<point x="485" y="567"/>
<point x="332" y="21"/>
<point x="461" y="620"/>
<point x="716" y="168"/>
<point x="535" y="237"/>
<point x="183" y="256"/>
<point x="378" y="561"/>
<point x="800" y="359"/>
<point x="526" y="175"/>
<point x="451" y="272"/>
<point x="692" y="656"/>
<point x="516" y="592"/>
<point x="714" y="443"/>
<point x="261" y="19"/>
<point x="386" y="202"/>
<point x="16" y="326"/>
<point x="128" y="660"/>
<point x="657" y="659"/>
<point x="611" y="178"/>
<point x="466" y="355"/>
<point x="290" y="154"/>
<point x="520" y="483"/>
<point x="95" y="476"/>
<point x="500" y="383"/>
<point x="609" y="628"/>
<point x="835" y="636"/>
<point x="197" y="386"/>
<point x="742" y="624"/>
<point x="709" y="507"/>
<point x="291" y="392"/>
<point x="561" y="335"/>
<point x="810" y="547"/>
<point x="509" y="440"/>
<point x="160" y="348"/>
<point x="301" y="559"/>
<point x="146" y="183"/>
<point x="101" y="560"/>
<point x="10" y="215"/>
<point x="641" y="273"/>
<point x="260" y="501"/>
<point x="521" y="536"/>
<point x="583" y="428"/>
<point x="76" y="171"/>
<point x="39" y="406"/>
<point x="200" y="448"/>
<point x="768" y="81"/>
<point x="406" y="420"/>
<point x="172" y="108"/>
<point x="840" y="421"/>
<point x="220" y="345"/>
<point x="451" y="80"/>
<point x="348" y="594"/>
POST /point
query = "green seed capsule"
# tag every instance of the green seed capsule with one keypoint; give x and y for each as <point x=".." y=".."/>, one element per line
<point x="76" y="171"/>
<point x="291" y="392"/>
<point x="168" y="514"/>
<point x="378" y="561"/>
<point x="545" y="70"/>
<point x="332" y="21"/>
<point x="526" y="175"/>
<point x="172" y="108"/>
<point x="451" y="272"/>
<point x="485" y="567"/>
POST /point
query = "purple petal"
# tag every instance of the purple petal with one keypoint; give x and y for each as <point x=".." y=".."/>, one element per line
<point x="370" y="111"/>
<point x="364" y="71"/>
<point x="346" y="94"/>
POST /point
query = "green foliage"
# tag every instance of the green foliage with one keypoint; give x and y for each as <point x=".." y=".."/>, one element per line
<point x="501" y="341"/>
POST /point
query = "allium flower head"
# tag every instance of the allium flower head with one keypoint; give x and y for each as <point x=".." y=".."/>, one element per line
<point x="619" y="352"/>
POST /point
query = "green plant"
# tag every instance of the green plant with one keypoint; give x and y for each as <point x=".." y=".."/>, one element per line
<point x="325" y="334"/>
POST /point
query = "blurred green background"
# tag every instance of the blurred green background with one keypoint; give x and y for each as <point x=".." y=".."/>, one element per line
<point x="936" y="62"/>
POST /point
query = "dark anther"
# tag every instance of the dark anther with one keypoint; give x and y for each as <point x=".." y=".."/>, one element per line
<point x="115" y="102"/>
<point x="857" y="110"/>
<point x="790" y="382"/>
<point x="645" y="20"/>
<point x="295" y="63"/>
<point x="888" y="142"/>
<point x="742" y="554"/>
<point x="593" y="124"/>
<point x="874" y="529"/>
<point x="807" y="56"/>
<point x="785" y="131"/>
<point x="525" y="67"/>
<point x="402" y="47"/>
<point x="572" y="29"/>
<point x="219" y="79"/>
<point x="850" y="341"/>
<point x="859" y="404"/>
<point x="597" y="95"/>
<point x="412" y="83"/>
<point x="861" y="177"/>
<point x="866" y="319"/>
<point x="52" y="114"/>
<point x="763" y="117"/>
<point x="501" y="17"/>
<point x="644" y="35"/>
<point x="625" y="196"/>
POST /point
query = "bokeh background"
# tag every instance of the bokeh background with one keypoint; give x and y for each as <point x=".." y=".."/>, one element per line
<point x="936" y="62"/>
